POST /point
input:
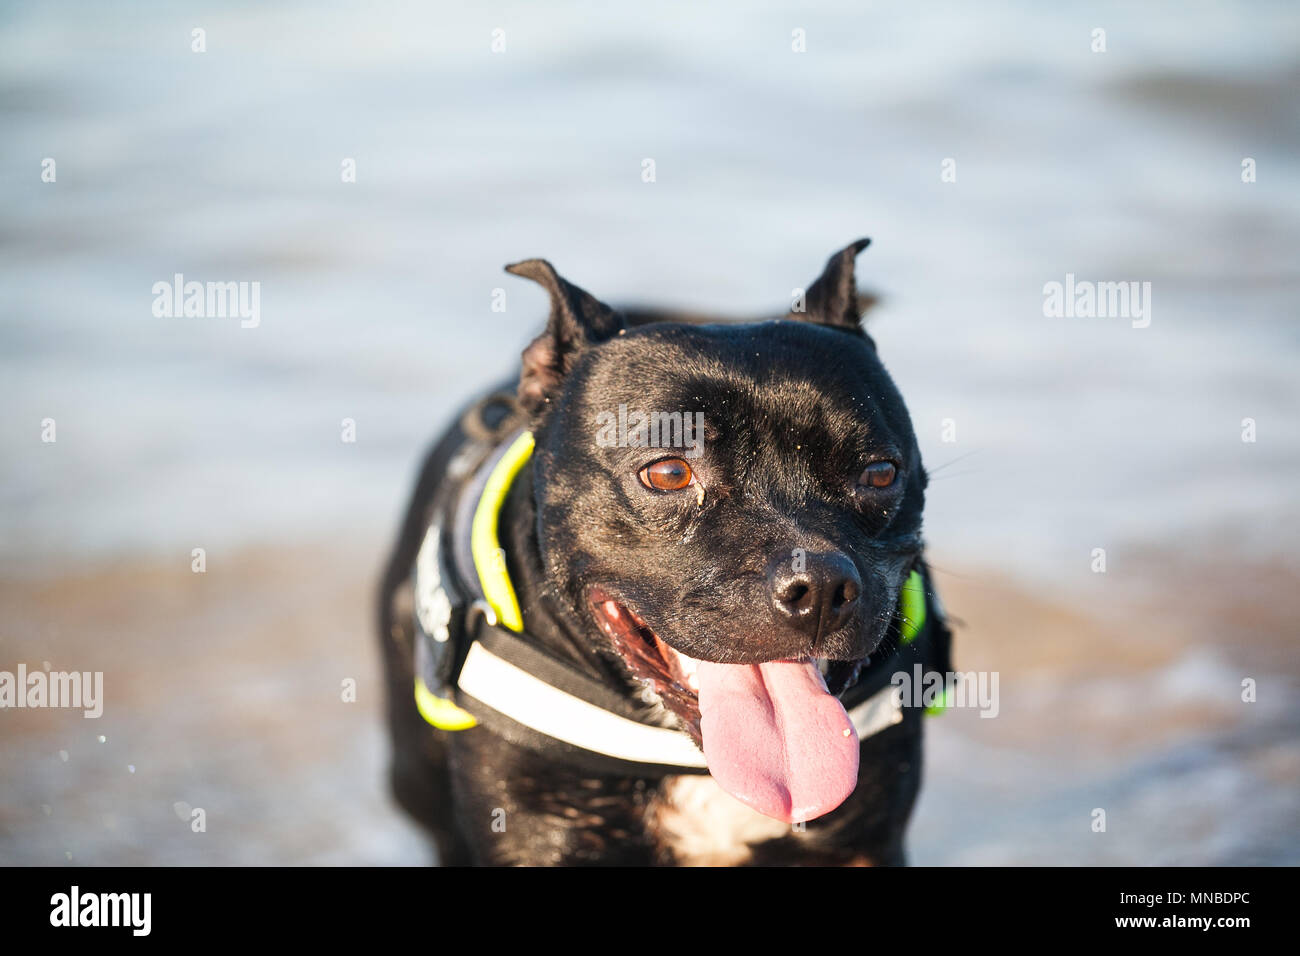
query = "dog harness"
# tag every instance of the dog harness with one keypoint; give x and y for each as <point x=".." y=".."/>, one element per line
<point x="475" y="665"/>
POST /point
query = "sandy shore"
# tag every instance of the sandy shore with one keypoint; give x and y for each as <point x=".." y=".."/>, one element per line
<point x="223" y="692"/>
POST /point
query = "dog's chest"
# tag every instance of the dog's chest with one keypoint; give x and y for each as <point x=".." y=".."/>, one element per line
<point x="700" y="824"/>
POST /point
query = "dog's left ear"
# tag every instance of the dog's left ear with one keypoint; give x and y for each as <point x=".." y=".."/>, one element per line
<point x="833" y="299"/>
<point x="577" y="320"/>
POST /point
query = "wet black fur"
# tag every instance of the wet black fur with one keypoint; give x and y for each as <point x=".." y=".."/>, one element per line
<point x="794" y="410"/>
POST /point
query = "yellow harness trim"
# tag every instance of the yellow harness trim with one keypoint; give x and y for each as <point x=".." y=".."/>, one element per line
<point x="485" y="546"/>
<point x="442" y="712"/>
<point x="490" y="563"/>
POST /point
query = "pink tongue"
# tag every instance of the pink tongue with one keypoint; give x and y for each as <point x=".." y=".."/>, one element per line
<point x="775" y="738"/>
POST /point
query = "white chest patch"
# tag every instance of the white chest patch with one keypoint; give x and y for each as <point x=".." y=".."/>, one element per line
<point x="703" y="825"/>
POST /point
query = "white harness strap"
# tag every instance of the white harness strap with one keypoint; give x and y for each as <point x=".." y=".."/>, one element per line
<point x="882" y="709"/>
<point x="528" y="700"/>
<point x="545" y="708"/>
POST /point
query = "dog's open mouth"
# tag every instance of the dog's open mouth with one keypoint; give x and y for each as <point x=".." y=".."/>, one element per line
<point x="772" y="734"/>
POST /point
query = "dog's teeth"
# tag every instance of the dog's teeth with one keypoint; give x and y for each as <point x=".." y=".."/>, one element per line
<point x="689" y="665"/>
<point x="824" y="665"/>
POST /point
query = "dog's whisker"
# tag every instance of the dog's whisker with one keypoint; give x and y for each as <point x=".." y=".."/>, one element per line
<point x="948" y="571"/>
<point x="948" y="464"/>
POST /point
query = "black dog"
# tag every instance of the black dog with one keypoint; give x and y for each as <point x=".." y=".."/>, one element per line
<point x="647" y="609"/>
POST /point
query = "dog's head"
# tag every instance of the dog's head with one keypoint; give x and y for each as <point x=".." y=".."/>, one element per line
<point x="734" y="508"/>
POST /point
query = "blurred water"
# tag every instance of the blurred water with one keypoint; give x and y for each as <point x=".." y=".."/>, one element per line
<point x="376" y="295"/>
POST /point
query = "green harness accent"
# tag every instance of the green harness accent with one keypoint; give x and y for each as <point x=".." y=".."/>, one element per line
<point x="911" y="607"/>
<point x="911" y="604"/>
<point x="490" y="563"/>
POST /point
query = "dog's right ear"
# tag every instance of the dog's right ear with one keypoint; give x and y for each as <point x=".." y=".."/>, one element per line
<point x="578" y="320"/>
<point x="833" y="299"/>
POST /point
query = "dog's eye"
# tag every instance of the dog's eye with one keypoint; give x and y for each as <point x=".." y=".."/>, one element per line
<point x="878" y="474"/>
<point x="671" y="474"/>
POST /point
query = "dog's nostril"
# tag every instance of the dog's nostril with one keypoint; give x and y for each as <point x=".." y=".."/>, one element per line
<point x="845" y="594"/>
<point x="795" y="594"/>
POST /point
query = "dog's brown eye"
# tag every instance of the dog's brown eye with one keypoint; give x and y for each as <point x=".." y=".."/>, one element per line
<point x="878" y="474"/>
<point x="671" y="474"/>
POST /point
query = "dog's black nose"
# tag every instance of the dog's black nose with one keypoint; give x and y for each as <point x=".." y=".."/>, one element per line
<point x="816" y="593"/>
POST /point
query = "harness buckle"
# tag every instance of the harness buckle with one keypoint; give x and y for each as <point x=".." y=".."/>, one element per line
<point x="480" y="609"/>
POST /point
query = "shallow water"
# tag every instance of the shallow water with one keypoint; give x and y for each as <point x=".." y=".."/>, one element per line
<point x="375" y="296"/>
